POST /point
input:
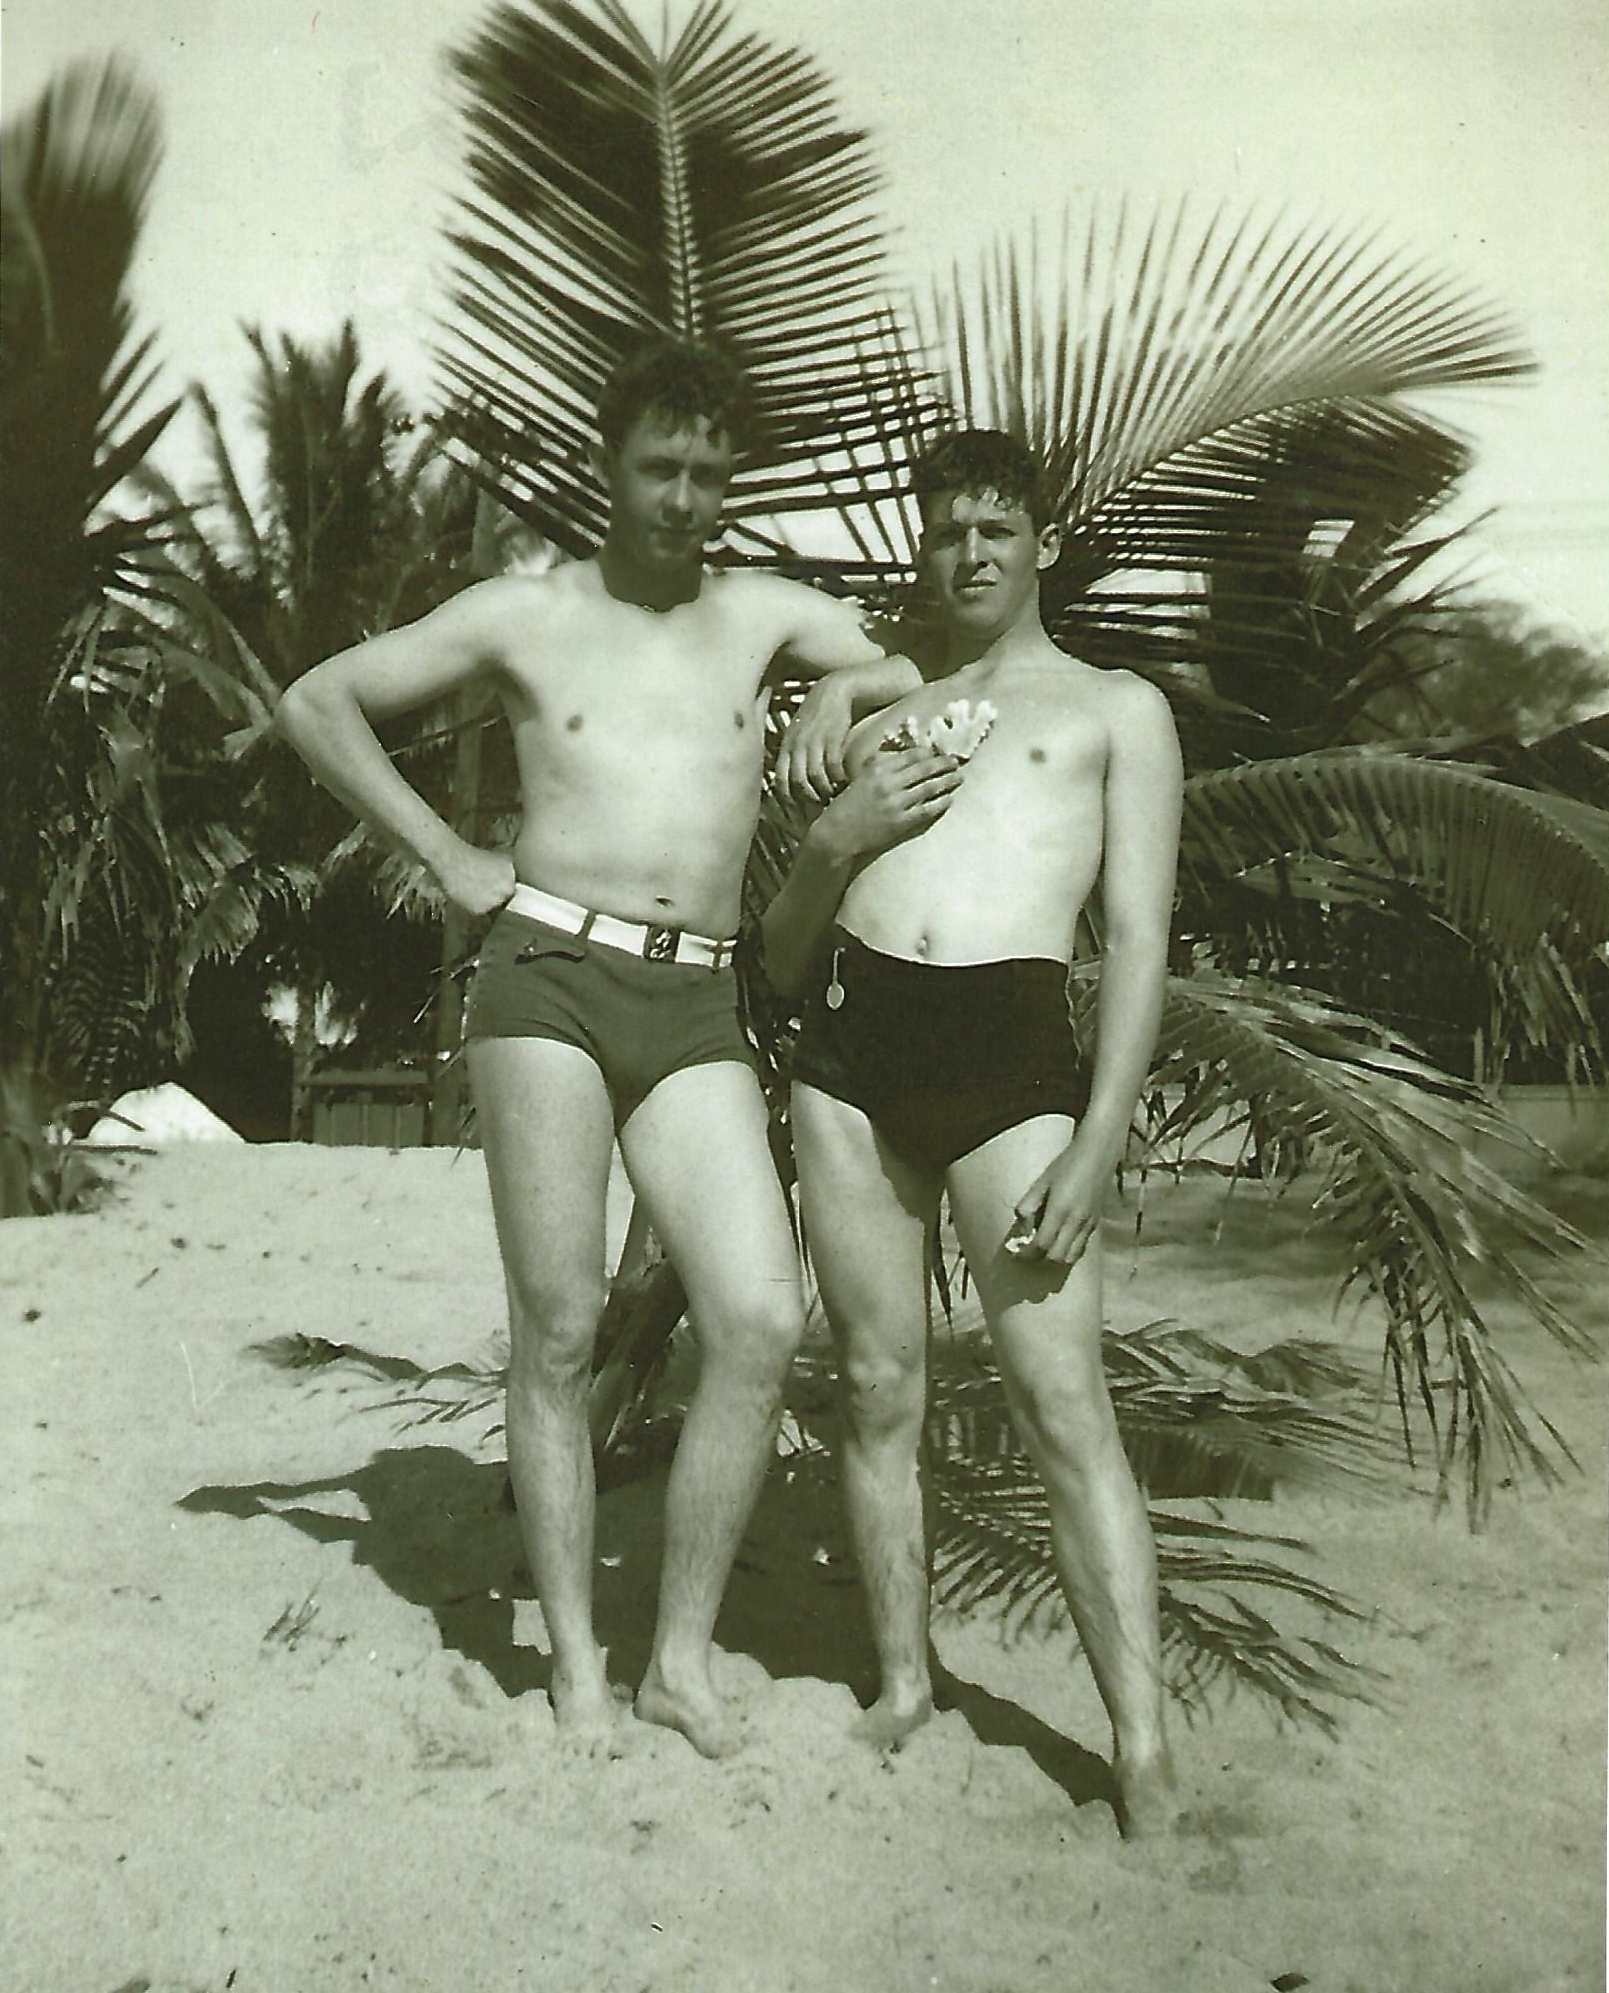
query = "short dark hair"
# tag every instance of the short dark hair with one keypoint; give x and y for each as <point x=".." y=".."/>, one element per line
<point x="678" y="379"/>
<point x="982" y="460"/>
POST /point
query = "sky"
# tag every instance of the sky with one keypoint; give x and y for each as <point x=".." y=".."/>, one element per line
<point x="311" y="154"/>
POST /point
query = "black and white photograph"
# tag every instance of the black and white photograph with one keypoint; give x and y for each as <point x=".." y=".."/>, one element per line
<point x="804" y="996"/>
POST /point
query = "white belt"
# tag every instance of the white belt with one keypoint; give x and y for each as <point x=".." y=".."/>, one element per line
<point x="631" y="937"/>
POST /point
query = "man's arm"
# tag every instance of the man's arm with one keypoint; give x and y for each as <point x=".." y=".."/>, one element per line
<point x="836" y="643"/>
<point x="328" y="716"/>
<point x="1144" y="784"/>
<point x="893" y="797"/>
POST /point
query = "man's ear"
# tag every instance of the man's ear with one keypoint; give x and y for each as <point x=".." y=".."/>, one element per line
<point x="1049" y="548"/>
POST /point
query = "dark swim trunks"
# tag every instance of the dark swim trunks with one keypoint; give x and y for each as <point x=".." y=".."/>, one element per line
<point x="941" y="1059"/>
<point x="638" y="1018"/>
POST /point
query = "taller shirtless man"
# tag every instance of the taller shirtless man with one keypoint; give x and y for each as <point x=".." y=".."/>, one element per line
<point x="604" y="1004"/>
<point x="937" y="1053"/>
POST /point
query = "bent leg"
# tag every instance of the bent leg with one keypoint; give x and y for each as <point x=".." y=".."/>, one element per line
<point x="547" y="1133"/>
<point x="866" y="1218"/>
<point x="1046" y="1323"/>
<point x="697" y="1156"/>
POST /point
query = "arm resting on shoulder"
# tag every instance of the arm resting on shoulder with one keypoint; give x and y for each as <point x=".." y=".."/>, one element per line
<point x="833" y="642"/>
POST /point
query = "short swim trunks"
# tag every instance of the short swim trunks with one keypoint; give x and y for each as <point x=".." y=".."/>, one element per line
<point x="639" y="1017"/>
<point x="941" y="1059"/>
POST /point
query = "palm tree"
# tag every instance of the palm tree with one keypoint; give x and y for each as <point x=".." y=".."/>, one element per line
<point x="360" y="523"/>
<point x="86" y="851"/>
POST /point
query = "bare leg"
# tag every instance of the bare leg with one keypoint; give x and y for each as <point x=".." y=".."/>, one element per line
<point x="1046" y="1323"/>
<point x="547" y="1132"/>
<point x="866" y="1217"/>
<point x="697" y="1156"/>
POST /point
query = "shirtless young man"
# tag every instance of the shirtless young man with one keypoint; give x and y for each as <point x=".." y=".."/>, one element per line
<point x="604" y="1004"/>
<point x="937" y="1054"/>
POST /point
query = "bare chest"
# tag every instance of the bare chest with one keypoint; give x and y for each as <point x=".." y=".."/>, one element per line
<point x="630" y="687"/>
<point x="1042" y="762"/>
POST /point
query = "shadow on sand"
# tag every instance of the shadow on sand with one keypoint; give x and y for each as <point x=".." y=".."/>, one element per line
<point x="436" y="1530"/>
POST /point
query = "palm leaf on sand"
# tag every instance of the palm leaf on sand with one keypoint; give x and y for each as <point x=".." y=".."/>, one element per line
<point x="1198" y="1421"/>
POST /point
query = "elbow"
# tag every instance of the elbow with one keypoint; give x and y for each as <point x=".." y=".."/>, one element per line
<point x="292" y="714"/>
<point x="305" y="712"/>
<point x="1140" y="945"/>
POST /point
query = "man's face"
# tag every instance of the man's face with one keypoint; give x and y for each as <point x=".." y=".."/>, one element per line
<point x="666" y="484"/>
<point x="982" y="557"/>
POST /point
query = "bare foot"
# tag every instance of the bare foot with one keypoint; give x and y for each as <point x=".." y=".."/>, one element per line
<point x="589" y="1716"/>
<point x="892" y="1718"/>
<point x="692" y="1708"/>
<point x="1147" y="1800"/>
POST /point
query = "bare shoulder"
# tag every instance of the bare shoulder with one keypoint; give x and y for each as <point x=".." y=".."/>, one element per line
<point x="1136" y="712"/>
<point x="789" y="608"/>
<point x="491" y="607"/>
<point x="511" y="613"/>
<point x="754" y="593"/>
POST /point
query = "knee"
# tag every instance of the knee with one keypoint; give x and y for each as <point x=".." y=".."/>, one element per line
<point x="553" y="1327"/>
<point x="1066" y="1423"/>
<point x="759" y="1340"/>
<point x="884" y="1392"/>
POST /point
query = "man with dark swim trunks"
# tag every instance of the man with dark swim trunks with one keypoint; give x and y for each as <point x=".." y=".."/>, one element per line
<point x="937" y="1054"/>
<point x="604" y="1005"/>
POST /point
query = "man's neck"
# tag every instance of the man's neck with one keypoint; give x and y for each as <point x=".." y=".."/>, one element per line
<point x="656" y="588"/>
<point x="982" y="659"/>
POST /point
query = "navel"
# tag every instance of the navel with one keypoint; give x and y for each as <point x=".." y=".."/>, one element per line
<point x="1036" y="754"/>
<point x="574" y="724"/>
<point x="740" y="720"/>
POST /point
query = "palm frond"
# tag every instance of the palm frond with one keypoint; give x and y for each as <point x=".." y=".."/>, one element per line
<point x="1193" y="334"/>
<point x="705" y="187"/>
<point x="76" y="170"/>
<point x="992" y="1527"/>
<point x="1411" y="835"/>
<point x="1425" y="1221"/>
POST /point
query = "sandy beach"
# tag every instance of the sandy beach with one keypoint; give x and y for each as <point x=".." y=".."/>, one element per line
<point x="274" y="1717"/>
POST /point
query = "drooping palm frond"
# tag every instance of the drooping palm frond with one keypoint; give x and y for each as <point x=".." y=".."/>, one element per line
<point x="358" y="520"/>
<point x="704" y="187"/>
<point x="1428" y="842"/>
<point x="1424" y="1220"/>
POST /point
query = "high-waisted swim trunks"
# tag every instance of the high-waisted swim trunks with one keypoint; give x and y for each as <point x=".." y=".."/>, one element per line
<point x="941" y="1059"/>
<point x="639" y="1015"/>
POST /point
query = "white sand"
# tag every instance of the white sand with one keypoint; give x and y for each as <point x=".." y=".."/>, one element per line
<point x="282" y="1741"/>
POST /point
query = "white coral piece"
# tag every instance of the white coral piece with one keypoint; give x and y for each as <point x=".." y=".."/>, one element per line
<point x="960" y="730"/>
<point x="901" y="737"/>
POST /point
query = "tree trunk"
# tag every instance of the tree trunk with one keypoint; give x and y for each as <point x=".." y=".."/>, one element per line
<point x="304" y="1057"/>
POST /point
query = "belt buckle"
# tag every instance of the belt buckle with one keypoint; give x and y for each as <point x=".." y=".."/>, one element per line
<point x="659" y="943"/>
